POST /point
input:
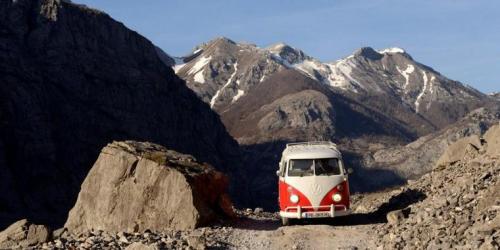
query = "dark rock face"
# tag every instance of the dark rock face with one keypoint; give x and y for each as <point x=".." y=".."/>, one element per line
<point x="368" y="53"/>
<point x="72" y="80"/>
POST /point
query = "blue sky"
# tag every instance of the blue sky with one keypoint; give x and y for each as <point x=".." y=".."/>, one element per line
<point x="459" y="38"/>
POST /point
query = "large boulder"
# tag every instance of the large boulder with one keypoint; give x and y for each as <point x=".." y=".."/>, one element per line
<point x="458" y="150"/>
<point x="23" y="234"/>
<point x="492" y="138"/>
<point x="138" y="186"/>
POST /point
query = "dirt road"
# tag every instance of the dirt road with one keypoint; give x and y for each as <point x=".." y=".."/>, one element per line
<point x="266" y="232"/>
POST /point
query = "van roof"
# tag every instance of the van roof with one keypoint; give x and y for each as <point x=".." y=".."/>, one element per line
<point x="311" y="150"/>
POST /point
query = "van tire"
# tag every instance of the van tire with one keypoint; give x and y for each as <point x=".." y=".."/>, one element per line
<point x="285" y="221"/>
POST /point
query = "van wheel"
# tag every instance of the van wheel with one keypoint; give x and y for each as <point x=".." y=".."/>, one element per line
<point x="285" y="221"/>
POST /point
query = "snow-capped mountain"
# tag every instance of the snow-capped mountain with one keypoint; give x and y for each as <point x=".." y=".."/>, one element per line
<point x="388" y="81"/>
<point x="222" y="71"/>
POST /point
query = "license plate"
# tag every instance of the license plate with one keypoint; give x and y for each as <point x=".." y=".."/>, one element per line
<point x="316" y="215"/>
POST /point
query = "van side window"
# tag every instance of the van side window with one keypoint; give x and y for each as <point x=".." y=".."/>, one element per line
<point x="282" y="168"/>
<point x="301" y="168"/>
<point x="329" y="166"/>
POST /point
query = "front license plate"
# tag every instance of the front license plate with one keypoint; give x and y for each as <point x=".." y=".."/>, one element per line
<point x="316" y="215"/>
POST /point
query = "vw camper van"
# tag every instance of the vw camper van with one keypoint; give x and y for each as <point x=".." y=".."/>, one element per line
<point x="313" y="182"/>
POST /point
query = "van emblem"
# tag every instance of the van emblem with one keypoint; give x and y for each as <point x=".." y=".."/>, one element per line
<point x="316" y="189"/>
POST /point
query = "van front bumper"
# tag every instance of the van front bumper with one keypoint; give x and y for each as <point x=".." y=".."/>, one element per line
<point x="298" y="213"/>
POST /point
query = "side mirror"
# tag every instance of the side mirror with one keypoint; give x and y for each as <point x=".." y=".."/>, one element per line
<point x="350" y="171"/>
<point x="278" y="173"/>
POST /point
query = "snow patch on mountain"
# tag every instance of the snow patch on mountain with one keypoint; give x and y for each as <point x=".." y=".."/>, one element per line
<point x="392" y="50"/>
<point x="238" y="95"/>
<point x="341" y="76"/>
<point x="406" y="74"/>
<point x="309" y="67"/>
<point x="178" y="67"/>
<point x="431" y="88"/>
<point x="198" y="77"/>
<point x="281" y="60"/>
<point x="419" y="97"/>
<point x="337" y="74"/>
<point x="199" y="64"/>
<point x="262" y="78"/>
<point x="214" y="98"/>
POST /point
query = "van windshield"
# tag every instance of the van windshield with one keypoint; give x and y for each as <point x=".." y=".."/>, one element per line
<point x="306" y="167"/>
<point x="327" y="166"/>
<point x="301" y="168"/>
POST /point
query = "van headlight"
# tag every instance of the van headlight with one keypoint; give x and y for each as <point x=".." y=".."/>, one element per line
<point x="294" y="198"/>
<point x="337" y="197"/>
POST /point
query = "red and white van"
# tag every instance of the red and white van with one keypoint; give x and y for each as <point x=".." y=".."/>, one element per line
<point x="313" y="182"/>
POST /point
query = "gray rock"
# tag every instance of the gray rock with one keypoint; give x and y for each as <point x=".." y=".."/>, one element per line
<point x="196" y="242"/>
<point x="258" y="210"/>
<point x="23" y="234"/>
<point x="59" y="232"/>
<point x="147" y="187"/>
<point x="395" y="217"/>
<point x="492" y="138"/>
<point x="457" y="151"/>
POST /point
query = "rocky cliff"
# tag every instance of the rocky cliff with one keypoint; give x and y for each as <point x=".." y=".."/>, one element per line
<point x="72" y="80"/>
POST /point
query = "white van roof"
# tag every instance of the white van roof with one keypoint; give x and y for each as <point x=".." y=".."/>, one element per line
<point x="311" y="150"/>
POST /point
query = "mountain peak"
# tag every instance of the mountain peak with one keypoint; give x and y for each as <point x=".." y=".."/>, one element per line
<point x="223" y="39"/>
<point x="287" y="53"/>
<point x="368" y="52"/>
<point x="278" y="46"/>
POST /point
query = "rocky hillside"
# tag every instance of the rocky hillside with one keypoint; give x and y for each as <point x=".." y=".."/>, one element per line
<point x="418" y="157"/>
<point x="460" y="206"/>
<point x="73" y="80"/>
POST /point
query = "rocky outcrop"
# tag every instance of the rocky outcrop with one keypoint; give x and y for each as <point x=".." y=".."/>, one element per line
<point x="461" y="207"/>
<point x="23" y="234"/>
<point x="456" y="151"/>
<point x="142" y="186"/>
<point x="419" y="157"/>
<point x="72" y="80"/>
<point x="493" y="139"/>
